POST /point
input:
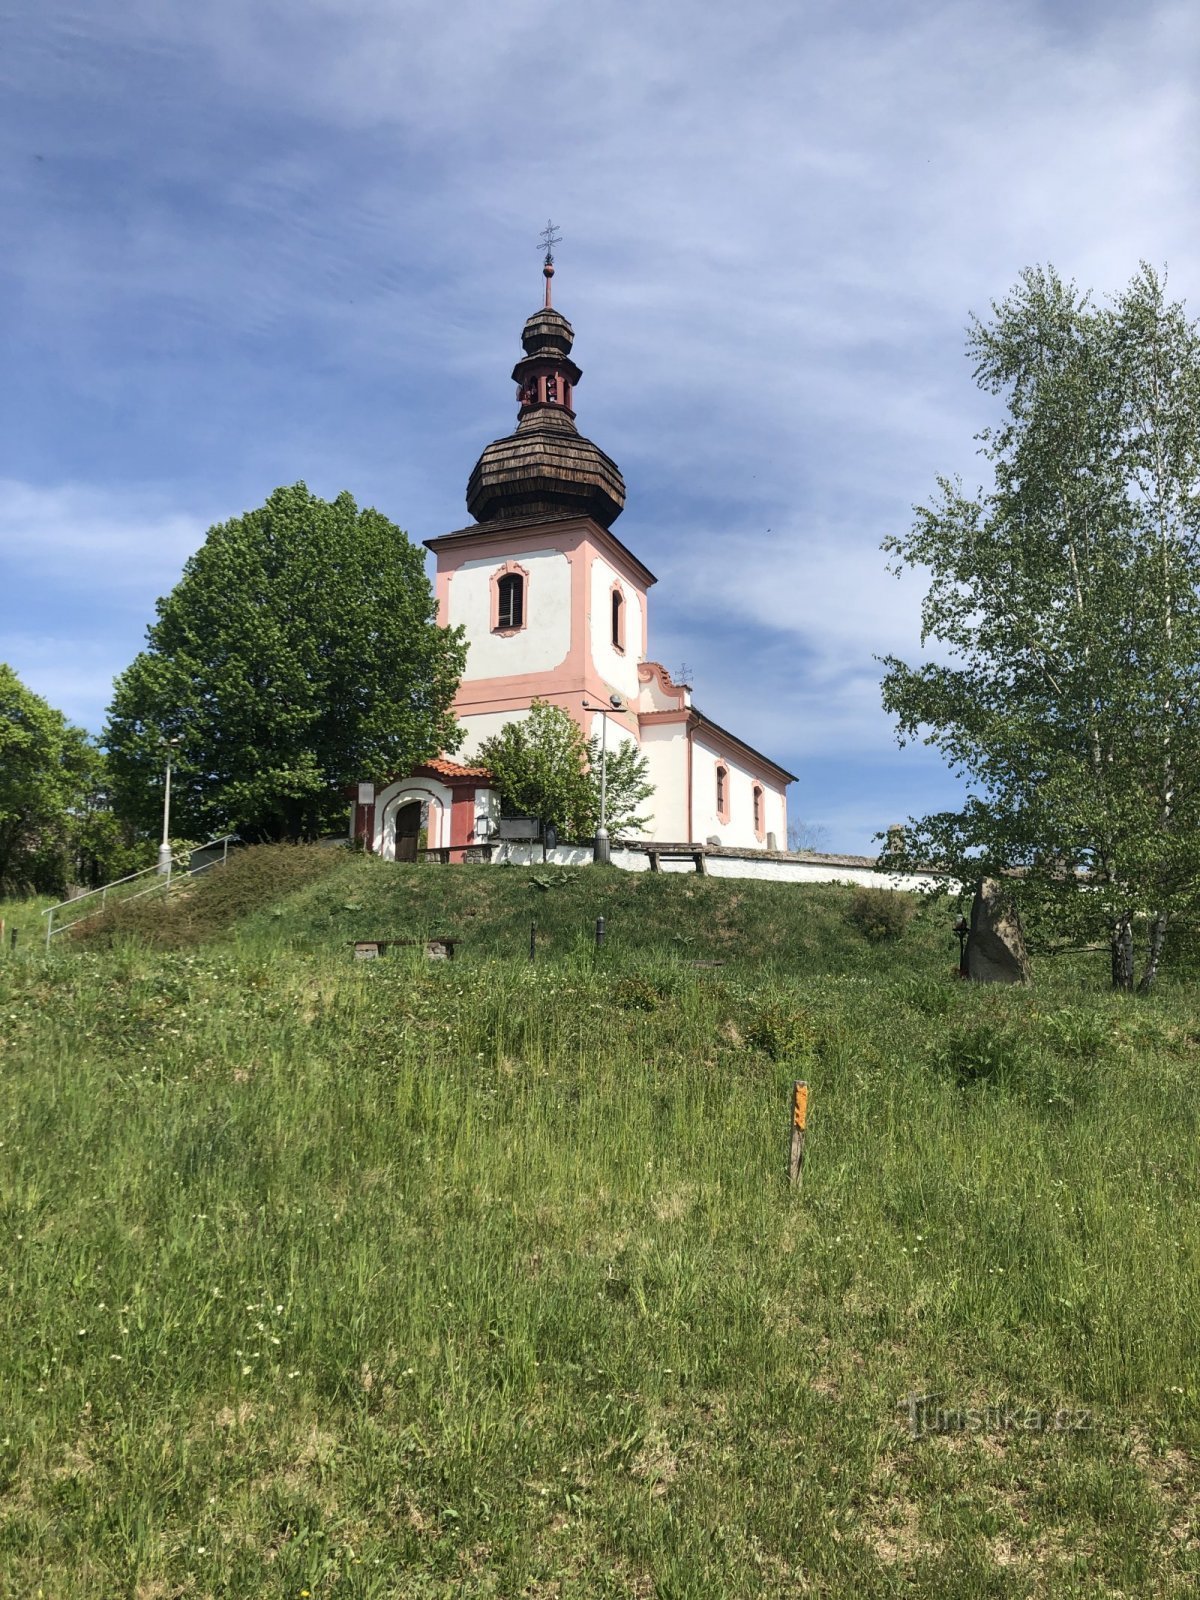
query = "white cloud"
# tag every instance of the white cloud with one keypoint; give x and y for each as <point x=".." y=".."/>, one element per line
<point x="75" y="675"/>
<point x="776" y="219"/>
<point x="111" y="543"/>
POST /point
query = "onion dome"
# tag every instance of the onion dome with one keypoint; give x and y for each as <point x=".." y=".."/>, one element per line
<point x="546" y="468"/>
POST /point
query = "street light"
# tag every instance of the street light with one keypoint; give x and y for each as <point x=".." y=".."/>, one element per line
<point x="164" y="849"/>
<point x="616" y="703"/>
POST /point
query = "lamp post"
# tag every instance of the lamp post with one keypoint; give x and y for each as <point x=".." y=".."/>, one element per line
<point x="600" y="850"/>
<point x="164" y="849"/>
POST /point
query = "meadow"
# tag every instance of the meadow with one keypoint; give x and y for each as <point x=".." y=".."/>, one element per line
<point x="324" y="1277"/>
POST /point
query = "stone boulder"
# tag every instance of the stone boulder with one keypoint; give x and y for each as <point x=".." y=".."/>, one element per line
<point x="996" y="944"/>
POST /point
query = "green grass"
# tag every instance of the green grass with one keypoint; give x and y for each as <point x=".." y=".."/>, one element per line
<point x="23" y="917"/>
<point x="429" y="1279"/>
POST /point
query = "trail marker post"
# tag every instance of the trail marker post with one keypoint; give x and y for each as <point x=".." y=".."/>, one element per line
<point x="532" y="940"/>
<point x="799" y="1122"/>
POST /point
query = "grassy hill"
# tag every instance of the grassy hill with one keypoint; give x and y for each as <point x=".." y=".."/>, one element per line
<point x="482" y="1277"/>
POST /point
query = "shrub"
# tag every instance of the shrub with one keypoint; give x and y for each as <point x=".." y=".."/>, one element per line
<point x="637" y="994"/>
<point x="880" y="914"/>
<point x="780" y="1033"/>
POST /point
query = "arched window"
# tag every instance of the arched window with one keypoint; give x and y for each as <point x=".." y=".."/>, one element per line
<point x="722" y="792"/>
<point x="511" y="598"/>
<point x="758" y="811"/>
<point x="618" y="619"/>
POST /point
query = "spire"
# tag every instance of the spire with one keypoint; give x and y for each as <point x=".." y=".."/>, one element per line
<point x="545" y="468"/>
<point x="547" y="239"/>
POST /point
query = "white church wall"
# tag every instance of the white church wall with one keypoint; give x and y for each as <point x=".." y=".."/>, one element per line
<point x="542" y="644"/>
<point x="775" y="803"/>
<point x="482" y="726"/>
<point x="617" y="734"/>
<point x="665" y="748"/>
<point x="738" y="831"/>
<point x="618" y="668"/>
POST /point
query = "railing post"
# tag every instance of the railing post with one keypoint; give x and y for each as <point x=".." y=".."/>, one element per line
<point x="49" y="925"/>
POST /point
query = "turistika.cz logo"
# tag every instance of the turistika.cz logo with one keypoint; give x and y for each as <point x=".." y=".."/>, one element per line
<point x="925" y="1416"/>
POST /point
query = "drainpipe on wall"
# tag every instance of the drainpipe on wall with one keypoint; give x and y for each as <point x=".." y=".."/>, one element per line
<point x="691" y="821"/>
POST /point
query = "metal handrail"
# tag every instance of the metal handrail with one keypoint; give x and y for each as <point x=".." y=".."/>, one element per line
<point x="162" y="880"/>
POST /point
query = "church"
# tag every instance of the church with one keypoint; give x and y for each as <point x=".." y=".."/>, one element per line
<point x="555" y="607"/>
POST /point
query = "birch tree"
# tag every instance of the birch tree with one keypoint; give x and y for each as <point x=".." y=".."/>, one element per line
<point x="1064" y="604"/>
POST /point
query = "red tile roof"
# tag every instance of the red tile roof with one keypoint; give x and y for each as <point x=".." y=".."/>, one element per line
<point x="452" y="769"/>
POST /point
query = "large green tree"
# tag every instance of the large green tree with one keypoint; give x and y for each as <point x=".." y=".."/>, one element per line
<point x="544" y="767"/>
<point x="298" y="653"/>
<point x="51" y="782"/>
<point x="1065" y="602"/>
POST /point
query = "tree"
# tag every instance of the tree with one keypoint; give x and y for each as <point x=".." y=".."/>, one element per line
<point x="298" y="653"/>
<point x="50" y="773"/>
<point x="544" y="767"/>
<point x="1067" y="599"/>
<point x="626" y="786"/>
<point x="803" y="835"/>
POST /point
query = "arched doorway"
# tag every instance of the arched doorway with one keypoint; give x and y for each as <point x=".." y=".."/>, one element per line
<point x="408" y="828"/>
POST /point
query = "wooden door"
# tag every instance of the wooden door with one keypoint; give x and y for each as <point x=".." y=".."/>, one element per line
<point x="408" y="826"/>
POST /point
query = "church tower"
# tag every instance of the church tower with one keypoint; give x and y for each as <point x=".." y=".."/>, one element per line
<point x="553" y="606"/>
<point x="552" y="603"/>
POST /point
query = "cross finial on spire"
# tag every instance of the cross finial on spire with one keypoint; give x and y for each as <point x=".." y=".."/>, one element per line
<point x="547" y="239"/>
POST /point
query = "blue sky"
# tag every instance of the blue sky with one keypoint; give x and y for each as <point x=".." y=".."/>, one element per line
<point x="249" y="243"/>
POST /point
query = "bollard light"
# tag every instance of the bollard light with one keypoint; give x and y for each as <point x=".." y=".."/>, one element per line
<point x="962" y="928"/>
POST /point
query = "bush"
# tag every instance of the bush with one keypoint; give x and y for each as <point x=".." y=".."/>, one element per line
<point x="780" y="1033"/>
<point x="880" y="914"/>
<point x="637" y="994"/>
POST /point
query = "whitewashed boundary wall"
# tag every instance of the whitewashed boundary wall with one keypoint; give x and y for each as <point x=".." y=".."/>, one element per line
<point x="768" y="866"/>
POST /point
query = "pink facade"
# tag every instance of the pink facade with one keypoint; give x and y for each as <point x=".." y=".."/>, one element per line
<point x="576" y="676"/>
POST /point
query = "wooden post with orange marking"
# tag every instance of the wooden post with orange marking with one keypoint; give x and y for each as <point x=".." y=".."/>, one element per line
<point x="799" y="1122"/>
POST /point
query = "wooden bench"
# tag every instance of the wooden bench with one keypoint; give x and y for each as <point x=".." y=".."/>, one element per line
<point x="678" y="853"/>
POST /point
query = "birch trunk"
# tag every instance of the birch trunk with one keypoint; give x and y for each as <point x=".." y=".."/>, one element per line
<point x="1158" y="932"/>
<point x="1122" y="954"/>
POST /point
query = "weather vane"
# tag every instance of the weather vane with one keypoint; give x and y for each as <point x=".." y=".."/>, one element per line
<point x="547" y="239"/>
